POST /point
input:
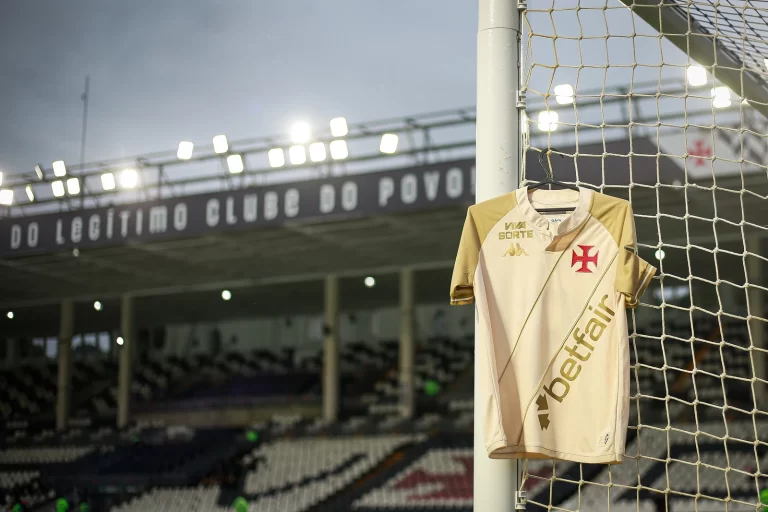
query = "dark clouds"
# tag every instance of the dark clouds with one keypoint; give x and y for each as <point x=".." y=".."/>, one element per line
<point x="172" y="69"/>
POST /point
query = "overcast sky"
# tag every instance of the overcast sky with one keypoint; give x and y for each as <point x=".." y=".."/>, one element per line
<point x="162" y="71"/>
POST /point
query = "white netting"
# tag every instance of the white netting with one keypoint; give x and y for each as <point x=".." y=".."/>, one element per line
<point x="635" y="116"/>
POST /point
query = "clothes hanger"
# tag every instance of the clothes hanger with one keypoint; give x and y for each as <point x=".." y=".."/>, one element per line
<point x="550" y="180"/>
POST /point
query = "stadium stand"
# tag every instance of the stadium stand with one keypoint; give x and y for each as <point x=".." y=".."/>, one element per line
<point x="371" y="460"/>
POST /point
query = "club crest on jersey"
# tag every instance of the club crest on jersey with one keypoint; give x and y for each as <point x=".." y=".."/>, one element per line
<point x="515" y="250"/>
<point x="584" y="258"/>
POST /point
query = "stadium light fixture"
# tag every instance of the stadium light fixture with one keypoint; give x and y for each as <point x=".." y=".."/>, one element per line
<point x="129" y="178"/>
<point x="297" y="155"/>
<point x="185" y="150"/>
<point x="73" y="186"/>
<point x="108" y="181"/>
<point x="226" y="294"/>
<point x="220" y="144"/>
<point x="276" y="157"/>
<point x="59" y="169"/>
<point x="30" y="193"/>
<point x="10" y="315"/>
<point x="119" y="340"/>
<point x="548" y="121"/>
<point x="39" y="172"/>
<point x="721" y="97"/>
<point x="6" y="196"/>
<point x="301" y="133"/>
<point x="317" y="152"/>
<point x="660" y="254"/>
<point x="338" y="149"/>
<point x="564" y="94"/>
<point x="235" y="164"/>
<point x="339" y="126"/>
<point x="388" y="143"/>
<point x="370" y="282"/>
<point x="97" y="305"/>
<point x="57" y="187"/>
<point x="697" y="75"/>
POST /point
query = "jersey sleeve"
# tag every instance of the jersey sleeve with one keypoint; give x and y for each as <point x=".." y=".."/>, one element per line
<point x="633" y="274"/>
<point x="462" y="282"/>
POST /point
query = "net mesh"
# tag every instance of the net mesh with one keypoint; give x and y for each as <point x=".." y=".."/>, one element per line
<point x="622" y="106"/>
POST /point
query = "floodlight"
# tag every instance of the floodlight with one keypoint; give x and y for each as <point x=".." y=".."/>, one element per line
<point x="660" y="254"/>
<point x="370" y="282"/>
<point x="697" y="75"/>
<point x="721" y="97"/>
<point x="39" y="172"/>
<point x="1" y="177"/>
<point x="97" y="305"/>
<point x="317" y="152"/>
<point x="339" y="149"/>
<point x="548" y="121"/>
<point x="388" y="143"/>
<point x="119" y="340"/>
<point x="6" y="196"/>
<point x="59" y="169"/>
<point x="57" y="187"/>
<point x="226" y="294"/>
<point x="129" y="178"/>
<point x="220" y="144"/>
<point x="185" y="150"/>
<point x="30" y="193"/>
<point x="339" y="127"/>
<point x="73" y="186"/>
<point x="9" y="315"/>
<point x="108" y="181"/>
<point x="276" y="157"/>
<point x="564" y="94"/>
<point x="297" y="155"/>
<point x="300" y="133"/>
<point x="235" y="164"/>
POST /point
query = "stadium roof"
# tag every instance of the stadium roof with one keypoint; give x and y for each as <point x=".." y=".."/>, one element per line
<point x="730" y="36"/>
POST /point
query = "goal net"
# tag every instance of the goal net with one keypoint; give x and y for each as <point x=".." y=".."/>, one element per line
<point x="664" y="103"/>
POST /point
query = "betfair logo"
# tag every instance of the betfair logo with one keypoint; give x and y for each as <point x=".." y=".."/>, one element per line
<point x="515" y="250"/>
<point x="579" y="352"/>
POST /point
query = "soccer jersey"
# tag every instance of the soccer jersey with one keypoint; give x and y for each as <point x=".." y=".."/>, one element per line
<point x="550" y="293"/>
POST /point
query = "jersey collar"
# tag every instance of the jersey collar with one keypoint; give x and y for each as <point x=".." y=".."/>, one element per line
<point x="540" y="223"/>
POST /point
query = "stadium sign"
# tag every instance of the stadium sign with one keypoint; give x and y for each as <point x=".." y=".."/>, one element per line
<point x="314" y="200"/>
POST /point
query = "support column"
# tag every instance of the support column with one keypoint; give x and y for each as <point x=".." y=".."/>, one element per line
<point x="66" y="331"/>
<point x="407" y="391"/>
<point x="12" y="348"/>
<point x="125" y="361"/>
<point x="757" y="327"/>
<point x="497" y="168"/>
<point x="331" y="350"/>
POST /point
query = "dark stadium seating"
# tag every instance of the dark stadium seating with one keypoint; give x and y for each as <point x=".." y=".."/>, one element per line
<point x="371" y="460"/>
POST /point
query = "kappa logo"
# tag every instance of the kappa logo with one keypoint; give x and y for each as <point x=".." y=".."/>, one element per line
<point x="515" y="250"/>
<point x="584" y="258"/>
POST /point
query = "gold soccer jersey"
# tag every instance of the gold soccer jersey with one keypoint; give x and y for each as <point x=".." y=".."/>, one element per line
<point x="551" y="293"/>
